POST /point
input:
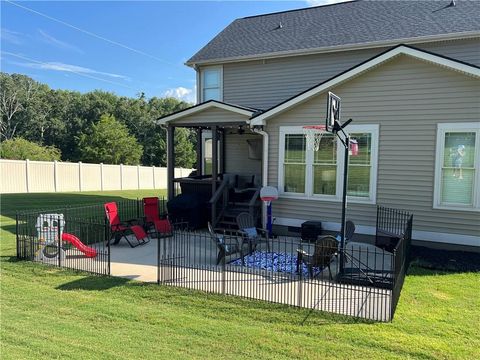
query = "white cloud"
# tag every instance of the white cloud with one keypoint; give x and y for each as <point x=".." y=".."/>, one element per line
<point x="49" y="39"/>
<point x="58" y="66"/>
<point x="11" y="36"/>
<point x="182" y="93"/>
<point x="322" y="2"/>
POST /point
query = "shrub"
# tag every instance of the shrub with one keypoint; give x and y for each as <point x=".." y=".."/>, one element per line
<point x="21" y="149"/>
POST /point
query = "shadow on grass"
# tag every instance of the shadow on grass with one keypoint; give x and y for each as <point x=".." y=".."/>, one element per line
<point x="10" y="228"/>
<point x="93" y="283"/>
<point x="11" y="259"/>
<point x="442" y="261"/>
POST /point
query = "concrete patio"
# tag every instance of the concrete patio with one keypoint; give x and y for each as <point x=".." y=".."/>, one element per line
<point x="189" y="262"/>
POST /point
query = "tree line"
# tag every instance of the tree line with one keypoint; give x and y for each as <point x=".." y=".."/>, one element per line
<point x="97" y="126"/>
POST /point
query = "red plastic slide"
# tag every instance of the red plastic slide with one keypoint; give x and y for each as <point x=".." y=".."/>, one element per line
<point x="72" y="239"/>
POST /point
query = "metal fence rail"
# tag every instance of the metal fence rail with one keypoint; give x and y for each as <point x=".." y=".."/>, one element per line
<point x="269" y="273"/>
<point x="74" y="237"/>
<point x="63" y="241"/>
<point x="401" y="255"/>
<point x="283" y="270"/>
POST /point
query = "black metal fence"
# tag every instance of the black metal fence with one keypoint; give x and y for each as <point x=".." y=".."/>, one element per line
<point x="401" y="254"/>
<point x="273" y="272"/>
<point x="53" y="238"/>
<point x="282" y="270"/>
<point x="75" y="237"/>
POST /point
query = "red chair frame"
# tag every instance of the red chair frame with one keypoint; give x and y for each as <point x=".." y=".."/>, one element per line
<point x="163" y="228"/>
<point x="123" y="229"/>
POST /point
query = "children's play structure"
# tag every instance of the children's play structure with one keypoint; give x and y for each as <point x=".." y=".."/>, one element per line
<point x="49" y="230"/>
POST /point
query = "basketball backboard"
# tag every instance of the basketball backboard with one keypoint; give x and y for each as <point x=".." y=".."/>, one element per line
<point x="333" y="111"/>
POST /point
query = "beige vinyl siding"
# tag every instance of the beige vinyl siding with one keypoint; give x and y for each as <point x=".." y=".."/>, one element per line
<point x="407" y="98"/>
<point x="209" y="116"/>
<point x="236" y="150"/>
<point x="263" y="84"/>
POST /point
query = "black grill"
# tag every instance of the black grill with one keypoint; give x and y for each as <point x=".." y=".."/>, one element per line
<point x="311" y="230"/>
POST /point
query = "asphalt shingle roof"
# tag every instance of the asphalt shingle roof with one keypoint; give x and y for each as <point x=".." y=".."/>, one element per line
<point x="341" y="24"/>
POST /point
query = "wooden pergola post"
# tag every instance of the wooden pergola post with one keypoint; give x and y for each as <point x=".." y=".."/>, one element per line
<point x="222" y="151"/>
<point x="170" y="161"/>
<point x="214" y="158"/>
<point x="214" y="170"/>
<point x="199" y="152"/>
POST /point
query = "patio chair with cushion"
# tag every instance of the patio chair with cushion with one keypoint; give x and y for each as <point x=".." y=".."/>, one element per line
<point x="152" y="220"/>
<point x="226" y="244"/>
<point x="124" y="229"/>
<point x="250" y="233"/>
<point x="323" y="254"/>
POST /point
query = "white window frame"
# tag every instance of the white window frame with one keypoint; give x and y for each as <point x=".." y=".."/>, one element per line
<point x="220" y="79"/>
<point x="442" y="129"/>
<point x="207" y="135"/>
<point x="308" y="194"/>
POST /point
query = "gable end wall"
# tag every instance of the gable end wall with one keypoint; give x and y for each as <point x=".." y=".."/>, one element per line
<point x="407" y="98"/>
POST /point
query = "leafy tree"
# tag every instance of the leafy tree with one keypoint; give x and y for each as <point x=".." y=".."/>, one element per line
<point x="21" y="149"/>
<point x="109" y="141"/>
<point x="184" y="149"/>
<point x="60" y="118"/>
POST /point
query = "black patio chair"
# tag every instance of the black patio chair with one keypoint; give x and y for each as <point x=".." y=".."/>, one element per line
<point x="226" y="244"/>
<point x="349" y="230"/>
<point x="250" y="233"/>
<point x="323" y="254"/>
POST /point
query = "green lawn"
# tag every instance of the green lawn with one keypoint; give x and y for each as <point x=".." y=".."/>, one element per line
<point x="52" y="313"/>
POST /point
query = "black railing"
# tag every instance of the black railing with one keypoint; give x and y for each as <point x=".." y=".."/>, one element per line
<point x="282" y="270"/>
<point x="76" y="237"/>
<point x="401" y="254"/>
<point x="391" y="226"/>
<point x="219" y="202"/>
<point x="269" y="272"/>
<point x="54" y="238"/>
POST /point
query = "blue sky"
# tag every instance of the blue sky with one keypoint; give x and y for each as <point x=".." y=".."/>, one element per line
<point x="126" y="47"/>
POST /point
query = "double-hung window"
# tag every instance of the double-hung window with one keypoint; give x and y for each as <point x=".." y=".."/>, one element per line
<point x="457" y="166"/>
<point x="294" y="164"/>
<point x="317" y="173"/>
<point x="211" y="79"/>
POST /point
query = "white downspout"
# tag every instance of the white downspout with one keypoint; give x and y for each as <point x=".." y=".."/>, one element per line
<point x="265" y="168"/>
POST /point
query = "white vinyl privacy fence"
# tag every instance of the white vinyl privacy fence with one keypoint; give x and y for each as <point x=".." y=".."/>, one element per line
<point x="25" y="176"/>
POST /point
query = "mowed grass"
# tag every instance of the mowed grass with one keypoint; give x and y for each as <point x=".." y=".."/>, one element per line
<point x="52" y="313"/>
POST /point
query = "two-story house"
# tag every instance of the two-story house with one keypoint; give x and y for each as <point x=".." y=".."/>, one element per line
<point x="408" y="75"/>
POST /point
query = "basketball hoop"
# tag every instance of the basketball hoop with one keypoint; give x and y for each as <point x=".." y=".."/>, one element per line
<point x="268" y="194"/>
<point x="314" y="134"/>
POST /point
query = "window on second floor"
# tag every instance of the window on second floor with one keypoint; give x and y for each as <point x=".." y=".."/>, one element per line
<point x="211" y="84"/>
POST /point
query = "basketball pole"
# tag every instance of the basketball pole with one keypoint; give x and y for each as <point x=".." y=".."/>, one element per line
<point x="269" y="219"/>
<point x="346" y="145"/>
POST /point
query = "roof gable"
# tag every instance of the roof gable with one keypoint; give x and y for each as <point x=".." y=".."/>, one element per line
<point x="368" y="65"/>
<point x="211" y="104"/>
<point x="337" y="26"/>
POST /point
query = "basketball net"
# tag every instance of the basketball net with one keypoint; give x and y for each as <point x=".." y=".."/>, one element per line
<point x="314" y="134"/>
<point x="267" y="200"/>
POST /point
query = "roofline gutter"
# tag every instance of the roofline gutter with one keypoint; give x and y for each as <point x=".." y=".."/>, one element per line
<point x="337" y="48"/>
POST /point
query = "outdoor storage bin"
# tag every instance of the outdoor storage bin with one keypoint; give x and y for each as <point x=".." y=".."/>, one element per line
<point x="187" y="208"/>
<point x="311" y="230"/>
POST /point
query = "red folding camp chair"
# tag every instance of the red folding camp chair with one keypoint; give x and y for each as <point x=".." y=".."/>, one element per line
<point x="162" y="227"/>
<point x="123" y="229"/>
